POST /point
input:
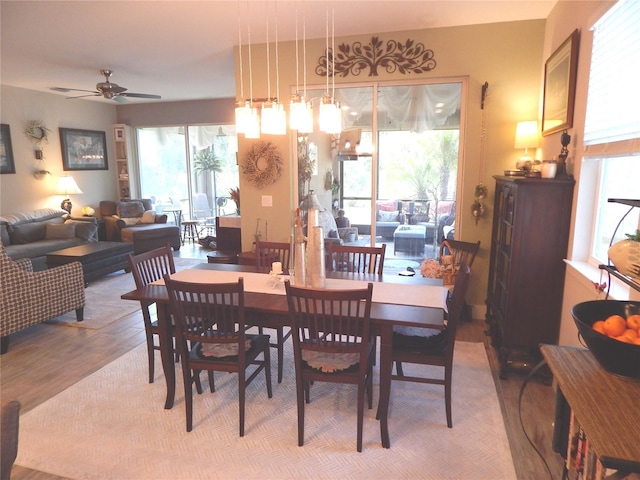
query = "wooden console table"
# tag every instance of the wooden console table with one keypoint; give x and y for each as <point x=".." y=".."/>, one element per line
<point x="605" y="404"/>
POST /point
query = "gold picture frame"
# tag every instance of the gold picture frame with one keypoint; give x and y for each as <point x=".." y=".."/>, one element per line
<point x="560" y="72"/>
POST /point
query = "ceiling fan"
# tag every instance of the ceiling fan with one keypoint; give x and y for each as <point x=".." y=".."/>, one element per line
<point x="108" y="90"/>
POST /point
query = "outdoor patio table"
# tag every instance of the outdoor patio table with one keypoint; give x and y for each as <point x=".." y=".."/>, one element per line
<point x="417" y="302"/>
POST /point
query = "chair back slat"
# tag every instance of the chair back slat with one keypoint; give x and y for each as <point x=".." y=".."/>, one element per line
<point x="331" y="321"/>
<point x="356" y="259"/>
<point x="150" y="266"/>
<point x="268" y="252"/>
<point x="457" y="304"/>
<point x="211" y="313"/>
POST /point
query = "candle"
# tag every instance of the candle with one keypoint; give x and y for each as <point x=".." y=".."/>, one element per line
<point x="276" y="267"/>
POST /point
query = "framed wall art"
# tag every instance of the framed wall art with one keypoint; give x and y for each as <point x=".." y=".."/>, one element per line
<point x="83" y="149"/>
<point x="7" y="164"/>
<point x="560" y="72"/>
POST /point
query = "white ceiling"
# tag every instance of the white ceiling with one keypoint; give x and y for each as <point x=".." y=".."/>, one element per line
<point x="182" y="50"/>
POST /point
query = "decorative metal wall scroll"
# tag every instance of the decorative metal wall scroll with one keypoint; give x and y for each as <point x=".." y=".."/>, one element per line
<point x="408" y="57"/>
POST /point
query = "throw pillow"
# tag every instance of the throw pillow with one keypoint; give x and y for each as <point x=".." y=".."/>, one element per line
<point x="27" y="233"/>
<point x="130" y="221"/>
<point x="85" y="230"/>
<point x="63" y="231"/>
<point x="388" y="216"/>
<point x="130" y="209"/>
<point x="148" y="216"/>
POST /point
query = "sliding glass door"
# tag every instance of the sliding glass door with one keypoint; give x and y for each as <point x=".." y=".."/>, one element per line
<point x="396" y="160"/>
<point x="189" y="169"/>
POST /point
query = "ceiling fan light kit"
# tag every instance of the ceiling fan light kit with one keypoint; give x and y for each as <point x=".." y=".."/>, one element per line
<point x="108" y="90"/>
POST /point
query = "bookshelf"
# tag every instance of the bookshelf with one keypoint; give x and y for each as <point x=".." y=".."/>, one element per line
<point x="605" y="405"/>
<point x="125" y="167"/>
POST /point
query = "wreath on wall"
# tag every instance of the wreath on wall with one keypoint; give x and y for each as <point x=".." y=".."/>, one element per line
<point x="37" y="132"/>
<point x="262" y="165"/>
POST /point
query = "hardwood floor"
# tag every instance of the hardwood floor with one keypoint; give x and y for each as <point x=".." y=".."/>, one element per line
<point x="44" y="360"/>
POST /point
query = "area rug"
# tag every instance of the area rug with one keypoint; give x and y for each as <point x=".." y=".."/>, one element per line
<point x="103" y="303"/>
<point x="112" y="425"/>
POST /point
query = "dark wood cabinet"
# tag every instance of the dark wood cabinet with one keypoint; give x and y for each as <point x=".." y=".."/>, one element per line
<point x="531" y="221"/>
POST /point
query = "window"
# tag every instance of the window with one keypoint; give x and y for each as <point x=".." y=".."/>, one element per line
<point x="611" y="162"/>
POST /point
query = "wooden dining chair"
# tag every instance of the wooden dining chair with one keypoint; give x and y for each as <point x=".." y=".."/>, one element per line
<point x="146" y="268"/>
<point x="462" y="252"/>
<point x="211" y="336"/>
<point x="356" y="259"/>
<point x="331" y="343"/>
<point x="269" y="252"/>
<point x="266" y="253"/>
<point x="435" y="350"/>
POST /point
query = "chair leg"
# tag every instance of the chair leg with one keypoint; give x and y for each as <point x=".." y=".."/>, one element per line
<point x="300" y="394"/>
<point x="241" y="398"/>
<point x="267" y="370"/>
<point x="80" y="314"/>
<point x="4" y="344"/>
<point x="361" y="393"/>
<point x="188" y="395"/>
<point x="399" y="369"/>
<point x="447" y="395"/>
<point x="280" y="348"/>
<point x="149" y="337"/>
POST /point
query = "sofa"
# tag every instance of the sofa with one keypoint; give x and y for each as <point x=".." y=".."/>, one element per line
<point x="32" y="234"/>
<point x="29" y="297"/>
<point x="136" y="222"/>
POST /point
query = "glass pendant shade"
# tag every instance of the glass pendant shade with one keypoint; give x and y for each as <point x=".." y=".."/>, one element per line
<point x="243" y="113"/>
<point x="253" y="124"/>
<point x="301" y="115"/>
<point x="330" y="115"/>
<point x="274" y="119"/>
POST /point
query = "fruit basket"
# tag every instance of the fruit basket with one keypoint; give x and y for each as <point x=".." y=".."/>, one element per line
<point x="614" y="355"/>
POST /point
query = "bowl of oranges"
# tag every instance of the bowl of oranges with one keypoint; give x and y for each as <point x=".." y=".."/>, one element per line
<point x="611" y="330"/>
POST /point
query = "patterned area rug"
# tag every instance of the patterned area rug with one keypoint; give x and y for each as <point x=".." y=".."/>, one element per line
<point x="112" y="425"/>
<point x="103" y="303"/>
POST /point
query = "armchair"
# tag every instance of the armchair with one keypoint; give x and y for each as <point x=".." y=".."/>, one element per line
<point x="29" y="298"/>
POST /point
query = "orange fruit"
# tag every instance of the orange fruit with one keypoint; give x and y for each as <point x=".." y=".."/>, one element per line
<point x="624" y="338"/>
<point x="598" y="326"/>
<point x="633" y="322"/>
<point x="636" y="341"/>
<point x="632" y="334"/>
<point x="615" y="325"/>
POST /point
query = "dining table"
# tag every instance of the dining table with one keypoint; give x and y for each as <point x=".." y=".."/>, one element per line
<point x="408" y="301"/>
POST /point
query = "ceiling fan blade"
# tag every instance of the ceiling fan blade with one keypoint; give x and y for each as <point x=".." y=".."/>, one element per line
<point x="120" y="99"/>
<point x="96" y="94"/>
<point x="65" y="90"/>
<point x="140" y="95"/>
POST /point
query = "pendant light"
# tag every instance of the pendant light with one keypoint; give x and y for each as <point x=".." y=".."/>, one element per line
<point x="274" y="119"/>
<point x="243" y="108"/>
<point x="330" y="113"/>
<point x="301" y="111"/>
<point x="253" y="119"/>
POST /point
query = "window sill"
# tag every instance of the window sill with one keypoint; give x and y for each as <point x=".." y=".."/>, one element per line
<point x="618" y="290"/>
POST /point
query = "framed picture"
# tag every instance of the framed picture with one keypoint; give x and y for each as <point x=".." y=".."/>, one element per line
<point x="560" y="72"/>
<point x="119" y="134"/>
<point x="7" y="165"/>
<point x="83" y="149"/>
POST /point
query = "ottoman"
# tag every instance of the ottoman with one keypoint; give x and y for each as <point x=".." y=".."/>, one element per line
<point x="151" y="236"/>
<point x="409" y="239"/>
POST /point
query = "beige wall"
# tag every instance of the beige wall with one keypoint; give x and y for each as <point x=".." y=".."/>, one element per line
<point x="507" y="55"/>
<point x="22" y="191"/>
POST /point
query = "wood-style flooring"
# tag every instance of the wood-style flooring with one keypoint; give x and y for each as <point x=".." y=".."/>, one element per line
<point x="43" y="361"/>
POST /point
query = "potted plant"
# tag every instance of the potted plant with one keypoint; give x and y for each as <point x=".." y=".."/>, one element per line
<point x="234" y="193"/>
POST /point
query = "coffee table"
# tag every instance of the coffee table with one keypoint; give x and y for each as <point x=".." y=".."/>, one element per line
<point x="409" y="239"/>
<point x="97" y="258"/>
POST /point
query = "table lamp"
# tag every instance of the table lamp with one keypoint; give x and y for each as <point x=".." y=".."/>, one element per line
<point x="67" y="186"/>
<point x="526" y="137"/>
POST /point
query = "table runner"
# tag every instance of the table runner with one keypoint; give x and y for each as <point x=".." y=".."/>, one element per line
<point x="392" y="293"/>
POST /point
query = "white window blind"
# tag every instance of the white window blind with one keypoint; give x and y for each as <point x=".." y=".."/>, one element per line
<point x="613" y="102"/>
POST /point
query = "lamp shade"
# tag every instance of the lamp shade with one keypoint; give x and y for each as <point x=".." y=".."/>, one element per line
<point x="67" y="186"/>
<point x="527" y="135"/>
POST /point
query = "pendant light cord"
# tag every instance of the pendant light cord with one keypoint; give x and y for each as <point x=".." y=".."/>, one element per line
<point x="240" y="55"/>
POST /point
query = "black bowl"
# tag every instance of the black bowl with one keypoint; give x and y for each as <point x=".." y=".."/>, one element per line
<point x="615" y="356"/>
